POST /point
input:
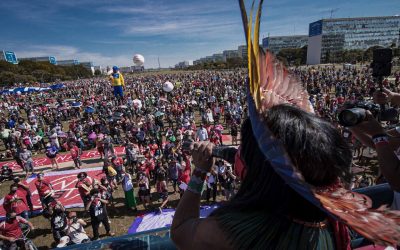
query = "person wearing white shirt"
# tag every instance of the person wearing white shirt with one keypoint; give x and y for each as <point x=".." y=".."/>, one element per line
<point x="202" y="134"/>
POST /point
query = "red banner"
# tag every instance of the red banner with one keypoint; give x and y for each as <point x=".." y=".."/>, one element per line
<point x="44" y="161"/>
<point x="66" y="157"/>
<point x="64" y="185"/>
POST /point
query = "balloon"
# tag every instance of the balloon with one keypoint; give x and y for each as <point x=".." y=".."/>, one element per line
<point x="168" y="86"/>
<point x="138" y="60"/>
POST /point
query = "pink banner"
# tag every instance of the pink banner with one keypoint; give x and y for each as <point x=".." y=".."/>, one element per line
<point x="66" y="157"/>
<point x="64" y="184"/>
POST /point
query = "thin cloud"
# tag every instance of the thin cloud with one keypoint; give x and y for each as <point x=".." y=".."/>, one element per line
<point x="62" y="52"/>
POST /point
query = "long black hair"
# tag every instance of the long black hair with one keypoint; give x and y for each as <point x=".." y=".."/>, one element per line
<point x="316" y="149"/>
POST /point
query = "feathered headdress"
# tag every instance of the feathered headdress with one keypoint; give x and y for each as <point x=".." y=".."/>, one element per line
<point x="270" y="83"/>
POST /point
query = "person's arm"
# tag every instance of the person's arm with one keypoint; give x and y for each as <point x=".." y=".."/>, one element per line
<point x="82" y="222"/>
<point x="86" y="186"/>
<point x="104" y="201"/>
<point x="23" y="221"/>
<point x="188" y="231"/>
<point x="89" y="204"/>
<point x="232" y="175"/>
<point x="24" y="186"/>
<point x="388" y="162"/>
<point x="385" y="96"/>
<point x="5" y="238"/>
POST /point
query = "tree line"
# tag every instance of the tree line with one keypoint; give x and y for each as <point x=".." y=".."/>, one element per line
<point x="298" y="56"/>
<point x="29" y="72"/>
<point x="231" y="63"/>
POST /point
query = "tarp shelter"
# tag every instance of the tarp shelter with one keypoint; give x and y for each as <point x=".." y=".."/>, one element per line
<point x="24" y="90"/>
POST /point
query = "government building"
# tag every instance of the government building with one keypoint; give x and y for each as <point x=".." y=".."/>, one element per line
<point x="329" y="36"/>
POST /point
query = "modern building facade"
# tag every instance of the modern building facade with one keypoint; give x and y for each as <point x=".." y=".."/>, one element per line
<point x="50" y="59"/>
<point x="227" y="54"/>
<point x="219" y="57"/>
<point x="276" y="43"/>
<point x="8" y="56"/>
<point x="183" y="65"/>
<point x="242" y="51"/>
<point x="68" y="62"/>
<point x="88" y="65"/>
<point x="328" y="36"/>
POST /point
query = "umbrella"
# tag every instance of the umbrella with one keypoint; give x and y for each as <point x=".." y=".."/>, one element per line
<point x="158" y="113"/>
<point x="89" y="110"/>
<point x="92" y="136"/>
<point x="76" y="104"/>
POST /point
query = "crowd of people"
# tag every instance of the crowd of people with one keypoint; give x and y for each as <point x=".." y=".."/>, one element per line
<point x="148" y="122"/>
<point x="151" y="124"/>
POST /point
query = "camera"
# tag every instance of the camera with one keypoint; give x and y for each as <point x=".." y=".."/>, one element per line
<point x="354" y="114"/>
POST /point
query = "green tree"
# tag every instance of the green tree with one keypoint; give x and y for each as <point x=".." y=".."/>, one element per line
<point x="7" y="77"/>
<point x="97" y="72"/>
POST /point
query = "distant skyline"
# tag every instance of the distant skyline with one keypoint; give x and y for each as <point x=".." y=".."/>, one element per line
<point x="111" y="32"/>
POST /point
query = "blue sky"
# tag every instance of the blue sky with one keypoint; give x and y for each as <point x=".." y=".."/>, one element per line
<point x="110" y="32"/>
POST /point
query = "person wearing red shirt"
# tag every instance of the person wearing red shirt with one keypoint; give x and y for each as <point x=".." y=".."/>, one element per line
<point x="45" y="190"/>
<point x="11" y="233"/>
<point x="84" y="185"/>
<point x="184" y="176"/>
<point x="74" y="150"/>
<point x="340" y="100"/>
<point x="24" y="189"/>
<point x="15" y="202"/>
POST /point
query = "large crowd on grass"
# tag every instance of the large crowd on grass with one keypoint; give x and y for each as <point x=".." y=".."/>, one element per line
<point x="151" y="125"/>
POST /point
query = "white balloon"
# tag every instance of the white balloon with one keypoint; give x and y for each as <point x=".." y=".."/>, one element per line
<point x="168" y="86"/>
<point x="138" y="60"/>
